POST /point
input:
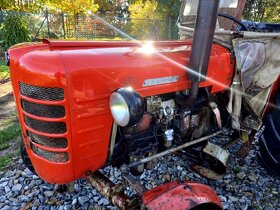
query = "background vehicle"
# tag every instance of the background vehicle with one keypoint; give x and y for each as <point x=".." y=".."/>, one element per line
<point x="86" y="105"/>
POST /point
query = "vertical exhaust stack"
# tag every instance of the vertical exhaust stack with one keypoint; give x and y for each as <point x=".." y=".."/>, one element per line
<point x="206" y="19"/>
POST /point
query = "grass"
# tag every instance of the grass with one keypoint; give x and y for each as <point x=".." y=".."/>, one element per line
<point x="7" y="134"/>
<point x="8" y="121"/>
<point x="4" y="69"/>
<point x="8" y="159"/>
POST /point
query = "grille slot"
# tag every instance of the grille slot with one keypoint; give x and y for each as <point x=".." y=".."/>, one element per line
<point x="48" y="141"/>
<point x="41" y="93"/>
<point x="46" y="127"/>
<point x="40" y="110"/>
<point x="56" y="157"/>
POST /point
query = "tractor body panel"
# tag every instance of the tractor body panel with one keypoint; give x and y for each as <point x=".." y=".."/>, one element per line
<point x="74" y="80"/>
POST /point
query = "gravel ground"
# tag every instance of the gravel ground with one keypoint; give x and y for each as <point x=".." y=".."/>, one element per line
<point x="246" y="185"/>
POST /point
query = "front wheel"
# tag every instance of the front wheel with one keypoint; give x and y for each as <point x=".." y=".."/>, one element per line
<point x="26" y="160"/>
<point x="269" y="153"/>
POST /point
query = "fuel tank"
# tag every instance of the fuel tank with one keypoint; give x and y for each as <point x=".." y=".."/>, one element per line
<point x="62" y="91"/>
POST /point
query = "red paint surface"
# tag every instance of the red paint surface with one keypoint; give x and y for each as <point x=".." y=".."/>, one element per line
<point x="179" y="196"/>
<point x="89" y="72"/>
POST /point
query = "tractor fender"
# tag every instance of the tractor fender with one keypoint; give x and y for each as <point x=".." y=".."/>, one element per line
<point x="181" y="195"/>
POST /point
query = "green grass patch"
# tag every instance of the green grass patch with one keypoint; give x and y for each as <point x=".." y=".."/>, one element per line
<point x="7" y="134"/>
<point x="3" y="66"/>
<point x="4" y="69"/>
<point x="7" y="121"/>
<point x="8" y="159"/>
<point x="4" y="146"/>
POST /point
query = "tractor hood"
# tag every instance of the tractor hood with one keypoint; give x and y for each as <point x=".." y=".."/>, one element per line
<point x="80" y="77"/>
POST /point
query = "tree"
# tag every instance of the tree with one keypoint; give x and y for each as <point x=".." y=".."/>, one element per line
<point x="262" y="10"/>
<point x="56" y="6"/>
<point x="22" y="5"/>
<point x="14" y="31"/>
<point x="170" y="7"/>
<point x="144" y="17"/>
<point x="153" y="18"/>
<point x="105" y="6"/>
<point x="71" y="6"/>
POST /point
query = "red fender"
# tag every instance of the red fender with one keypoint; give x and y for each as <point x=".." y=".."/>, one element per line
<point x="186" y="195"/>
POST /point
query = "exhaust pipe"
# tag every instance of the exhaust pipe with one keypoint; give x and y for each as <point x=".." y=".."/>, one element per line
<point x="205" y="26"/>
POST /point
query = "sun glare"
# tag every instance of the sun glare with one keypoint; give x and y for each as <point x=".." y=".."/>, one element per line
<point x="147" y="48"/>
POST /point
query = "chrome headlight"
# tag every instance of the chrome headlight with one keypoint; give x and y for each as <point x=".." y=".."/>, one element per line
<point x="127" y="107"/>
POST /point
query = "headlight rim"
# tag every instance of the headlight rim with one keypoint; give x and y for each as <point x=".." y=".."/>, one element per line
<point x="135" y="104"/>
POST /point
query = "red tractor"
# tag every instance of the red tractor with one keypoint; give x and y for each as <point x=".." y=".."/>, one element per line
<point x="84" y="105"/>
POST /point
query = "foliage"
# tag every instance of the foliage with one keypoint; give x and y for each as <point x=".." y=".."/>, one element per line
<point x="14" y="31"/>
<point x="54" y="6"/>
<point x="153" y="18"/>
<point x="170" y="7"/>
<point x="22" y="5"/>
<point x="141" y="10"/>
<point x="71" y="6"/>
<point x="105" y="6"/>
<point x="262" y="10"/>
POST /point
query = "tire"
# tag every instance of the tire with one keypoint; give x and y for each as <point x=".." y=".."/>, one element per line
<point x="26" y="160"/>
<point x="269" y="153"/>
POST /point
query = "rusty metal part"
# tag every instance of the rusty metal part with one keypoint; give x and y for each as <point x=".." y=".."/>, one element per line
<point x="166" y="152"/>
<point x="247" y="143"/>
<point x="216" y="151"/>
<point x="216" y="158"/>
<point x="234" y="139"/>
<point x="204" y="122"/>
<point x="135" y="184"/>
<point x="111" y="191"/>
<point x="185" y="124"/>
<point x="154" y="103"/>
<point x="206" y="172"/>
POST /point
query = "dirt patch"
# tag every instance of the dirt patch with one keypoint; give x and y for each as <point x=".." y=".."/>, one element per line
<point x="5" y="86"/>
<point x="8" y="112"/>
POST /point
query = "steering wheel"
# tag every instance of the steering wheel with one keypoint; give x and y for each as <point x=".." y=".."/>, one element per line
<point x="243" y="27"/>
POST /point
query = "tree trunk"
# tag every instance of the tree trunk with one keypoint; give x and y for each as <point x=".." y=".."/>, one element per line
<point x="63" y="25"/>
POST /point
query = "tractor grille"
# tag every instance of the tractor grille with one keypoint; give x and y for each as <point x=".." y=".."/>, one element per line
<point x="51" y="111"/>
<point x="57" y="157"/>
<point x="45" y="111"/>
<point x="48" y="141"/>
<point x="41" y="93"/>
<point x="46" y="127"/>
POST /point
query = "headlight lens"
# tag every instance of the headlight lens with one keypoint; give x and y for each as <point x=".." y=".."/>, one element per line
<point x="119" y="109"/>
<point x="127" y="107"/>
